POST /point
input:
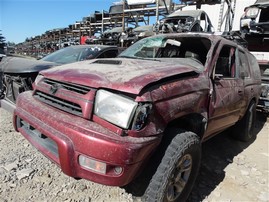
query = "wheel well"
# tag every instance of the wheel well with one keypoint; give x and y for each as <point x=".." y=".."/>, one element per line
<point x="253" y="100"/>
<point x="192" y="122"/>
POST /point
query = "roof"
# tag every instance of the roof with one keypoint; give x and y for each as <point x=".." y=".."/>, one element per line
<point x="192" y="13"/>
<point x="262" y="2"/>
<point x="144" y="28"/>
<point x="116" y="29"/>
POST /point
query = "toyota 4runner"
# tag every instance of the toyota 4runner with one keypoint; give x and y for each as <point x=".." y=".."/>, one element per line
<point x="110" y="120"/>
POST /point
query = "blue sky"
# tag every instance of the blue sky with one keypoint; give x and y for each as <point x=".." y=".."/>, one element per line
<point x="20" y="19"/>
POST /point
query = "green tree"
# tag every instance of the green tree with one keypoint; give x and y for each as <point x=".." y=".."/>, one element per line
<point x="2" y="41"/>
<point x="10" y="43"/>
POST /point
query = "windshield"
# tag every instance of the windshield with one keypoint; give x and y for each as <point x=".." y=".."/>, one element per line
<point x="158" y="47"/>
<point x="72" y="54"/>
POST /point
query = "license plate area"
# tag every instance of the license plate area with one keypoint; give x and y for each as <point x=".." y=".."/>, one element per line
<point x="39" y="138"/>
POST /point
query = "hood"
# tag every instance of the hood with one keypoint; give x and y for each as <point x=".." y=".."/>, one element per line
<point x="262" y="3"/>
<point x="185" y="13"/>
<point x="23" y="65"/>
<point x="127" y="75"/>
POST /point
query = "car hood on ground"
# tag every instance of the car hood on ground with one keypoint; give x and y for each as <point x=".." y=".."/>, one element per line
<point x="23" y="65"/>
<point x="127" y="75"/>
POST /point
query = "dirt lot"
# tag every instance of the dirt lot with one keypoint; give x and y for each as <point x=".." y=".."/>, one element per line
<point x="230" y="171"/>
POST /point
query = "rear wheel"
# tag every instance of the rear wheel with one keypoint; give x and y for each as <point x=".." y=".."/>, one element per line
<point x="176" y="174"/>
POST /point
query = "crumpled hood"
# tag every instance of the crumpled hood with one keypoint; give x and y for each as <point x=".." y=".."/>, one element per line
<point x="127" y="75"/>
<point x="23" y="65"/>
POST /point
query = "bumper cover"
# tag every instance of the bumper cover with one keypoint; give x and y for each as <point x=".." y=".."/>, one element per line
<point x="263" y="104"/>
<point x="7" y="105"/>
<point x="63" y="137"/>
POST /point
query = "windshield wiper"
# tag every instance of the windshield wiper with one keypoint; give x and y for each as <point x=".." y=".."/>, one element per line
<point x="140" y="58"/>
<point x="125" y="56"/>
<point x="152" y="59"/>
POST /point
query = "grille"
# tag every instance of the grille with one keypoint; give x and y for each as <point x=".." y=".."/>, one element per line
<point x="71" y="87"/>
<point x="59" y="103"/>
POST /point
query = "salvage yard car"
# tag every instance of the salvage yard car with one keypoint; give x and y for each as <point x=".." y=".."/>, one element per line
<point x="255" y="20"/>
<point x="112" y="120"/>
<point x="136" y="34"/>
<point x="263" y="104"/>
<point x="185" y="21"/>
<point x="17" y="74"/>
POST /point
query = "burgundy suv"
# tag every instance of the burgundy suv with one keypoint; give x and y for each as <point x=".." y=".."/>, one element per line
<point x="109" y="120"/>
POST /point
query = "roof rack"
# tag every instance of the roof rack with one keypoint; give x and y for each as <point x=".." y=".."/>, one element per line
<point x="235" y="36"/>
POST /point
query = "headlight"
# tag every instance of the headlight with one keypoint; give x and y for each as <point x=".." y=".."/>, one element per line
<point x="114" y="108"/>
<point x="252" y="12"/>
<point x="38" y="79"/>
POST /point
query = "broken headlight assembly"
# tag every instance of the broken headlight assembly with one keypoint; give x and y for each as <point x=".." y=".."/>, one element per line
<point x="38" y="79"/>
<point x="114" y="108"/>
<point x="141" y="115"/>
<point x="120" y="110"/>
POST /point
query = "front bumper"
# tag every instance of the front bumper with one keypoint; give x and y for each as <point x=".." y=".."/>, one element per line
<point x="7" y="105"/>
<point x="63" y="137"/>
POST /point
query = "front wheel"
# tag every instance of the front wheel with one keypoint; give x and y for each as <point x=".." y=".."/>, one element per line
<point x="176" y="174"/>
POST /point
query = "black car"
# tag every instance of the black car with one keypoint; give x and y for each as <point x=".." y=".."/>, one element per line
<point x="17" y="73"/>
<point x="2" y="53"/>
<point x="263" y="103"/>
<point x="136" y="34"/>
<point x="112" y="36"/>
<point x="255" y="20"/>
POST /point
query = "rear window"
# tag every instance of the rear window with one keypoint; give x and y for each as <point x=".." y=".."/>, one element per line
<point x="254" y="66"/>
<point x="244" y="67"/>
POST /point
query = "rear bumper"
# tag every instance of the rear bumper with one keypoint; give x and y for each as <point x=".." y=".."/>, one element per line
<point x="63" y="137"/>
<point x="263" y="104"/>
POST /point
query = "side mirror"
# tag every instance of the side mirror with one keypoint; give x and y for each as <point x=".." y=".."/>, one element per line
<point x="217" y="77"/>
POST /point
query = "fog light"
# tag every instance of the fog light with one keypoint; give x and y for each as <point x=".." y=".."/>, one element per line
<point x="118" y="170"/>
<point x="91" y="164"/>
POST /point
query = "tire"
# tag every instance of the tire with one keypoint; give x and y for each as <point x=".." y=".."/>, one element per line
<point x="244" y="128"/>
<point x="176" y="174"/>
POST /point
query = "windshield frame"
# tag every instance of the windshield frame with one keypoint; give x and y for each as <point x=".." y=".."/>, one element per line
<point x="166" y="46"/>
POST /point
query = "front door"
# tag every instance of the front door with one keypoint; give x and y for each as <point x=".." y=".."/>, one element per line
<point x="227" y="91"/>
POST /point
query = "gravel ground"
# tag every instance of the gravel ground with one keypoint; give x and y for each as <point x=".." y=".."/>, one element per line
<point x="230" y="171"/>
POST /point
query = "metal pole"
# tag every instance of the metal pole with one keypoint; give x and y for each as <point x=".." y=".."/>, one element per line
<point x="221" y="16"/>
<point x="102" y="29"/>
<point x="123" y="16"/>
<point x="157" y="10"/>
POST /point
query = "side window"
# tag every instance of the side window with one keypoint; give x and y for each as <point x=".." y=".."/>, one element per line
<point x="226" y="66"/>
<point x="109" y="54"/>
<point x="255" y="69"/>
<point x="243" y="64"/>
<point x="203" y="22"/>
